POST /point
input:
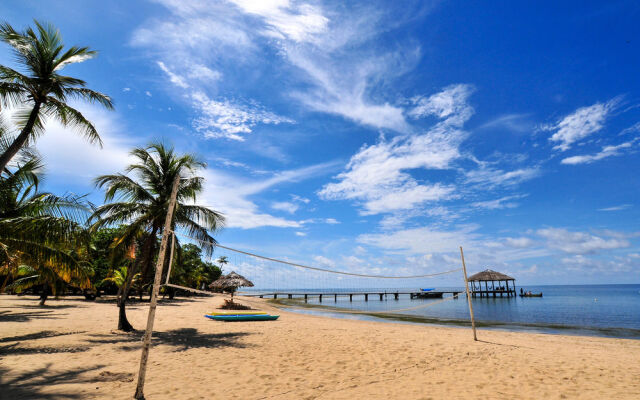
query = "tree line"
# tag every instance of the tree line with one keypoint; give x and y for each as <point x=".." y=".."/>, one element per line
<point x="59" y="243"/>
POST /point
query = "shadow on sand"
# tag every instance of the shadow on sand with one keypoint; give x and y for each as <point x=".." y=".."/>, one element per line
<point x="36" y="335"/>
<point x="7" y="316"/>
<point x="29" y="385"/>
<point x="182" y="339"/>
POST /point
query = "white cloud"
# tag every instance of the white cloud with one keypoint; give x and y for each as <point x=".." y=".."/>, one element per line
<point x="231" y="195"/>
<point x="68" y="156"/>
<point x="503" y="202"/>
<point x="422" y="240"/>
<point x="491" y="177"/>
<point x="173" y="78"/>
<point x="301" y="234"/>
<point x="451" y="102"/>
<point x="512" y="122"/>
<point x="616" y="208"/>
<point x="300" y="199"/>
<point x="607" y="151"/>
<point x="148" y="93"/>
<point x="126" y="89"/>
<point x="286" y="206"/>
<point x="331" y="221"/>
<point x="378" y="174"/>
<point x="224" y="119"/>
<point x="632" y="129"/>
<point x="521" y="242"/>
<point x="580" y="242"/>
<point x="580" y="124"/>
<point x="285" y="19"/>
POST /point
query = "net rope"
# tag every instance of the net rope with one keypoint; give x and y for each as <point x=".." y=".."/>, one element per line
<point x="317" y="268"/>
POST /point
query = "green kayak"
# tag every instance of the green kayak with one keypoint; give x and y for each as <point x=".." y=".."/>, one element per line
<point x="243" y="317"/>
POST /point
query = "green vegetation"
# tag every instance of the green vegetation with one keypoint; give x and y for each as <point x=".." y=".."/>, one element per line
<point x="52" y="244"/>
<point x="141" y="202"/>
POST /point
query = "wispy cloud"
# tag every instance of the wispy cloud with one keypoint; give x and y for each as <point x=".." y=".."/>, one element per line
<point x="580" y="124"/>
<point x="492" y="177"/>
<point x="286" y="206"/>
<point x="616" y="208"/>
<point x="512" y="122"/>
<point x="503" y="202"/>
<point x="607" y="151"/>
<point x="232" y="195"/>
<point x="580" y="242"/>
<point x="224" y="119"/>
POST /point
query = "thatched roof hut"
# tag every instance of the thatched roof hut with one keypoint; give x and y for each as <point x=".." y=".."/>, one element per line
<point x="230" y="282"/>
<point x="488" y="275"/>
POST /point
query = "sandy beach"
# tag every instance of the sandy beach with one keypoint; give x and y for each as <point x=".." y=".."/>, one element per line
<point x="69" y="349"/>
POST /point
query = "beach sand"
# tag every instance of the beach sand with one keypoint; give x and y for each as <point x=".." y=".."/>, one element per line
<point x="69" y="349"/>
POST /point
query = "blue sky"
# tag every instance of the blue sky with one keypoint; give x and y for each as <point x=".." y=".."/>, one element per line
<point x="377" y="136"/>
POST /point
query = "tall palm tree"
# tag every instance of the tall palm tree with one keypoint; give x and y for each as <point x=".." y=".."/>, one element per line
<point x="39" y="232"/>
<point x="141" y="203"/>
<point x="41" y="88"/>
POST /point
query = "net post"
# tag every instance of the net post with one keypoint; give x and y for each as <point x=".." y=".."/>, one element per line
<point x="466" y="287"/>
<point x="139" y="395"/>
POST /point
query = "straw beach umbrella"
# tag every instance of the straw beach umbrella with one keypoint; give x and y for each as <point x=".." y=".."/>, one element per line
<point x="230" y="283"/>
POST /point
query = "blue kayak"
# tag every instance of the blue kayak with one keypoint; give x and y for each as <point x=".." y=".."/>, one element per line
<point x="243" y="317"/>
<point x="428" y="290"/>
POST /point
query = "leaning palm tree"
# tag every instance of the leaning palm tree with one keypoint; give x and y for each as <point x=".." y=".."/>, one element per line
<point x="140" y="201"/>
<point x="39" y="232"/>
<point x="39" y="90"/>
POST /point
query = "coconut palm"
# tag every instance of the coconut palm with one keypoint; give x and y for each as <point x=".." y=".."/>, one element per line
<point x="140" y="201"/>
<point x="41" y="91"/>
<point x="53" y="278"/>
<point x="39" y="232"/>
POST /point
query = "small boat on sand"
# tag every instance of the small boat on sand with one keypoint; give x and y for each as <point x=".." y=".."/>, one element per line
<point x="232" y="312"/>
<point x="531" y="294"/>
<point x="243" y="317"/>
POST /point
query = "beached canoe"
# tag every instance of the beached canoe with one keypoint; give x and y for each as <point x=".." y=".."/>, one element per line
<point x="531" y="295"/>
<point x="238" y="318"/>
<point x="238" y="312"/>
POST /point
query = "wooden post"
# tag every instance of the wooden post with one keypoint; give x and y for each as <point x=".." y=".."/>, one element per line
<point x="466" y="287"/>
<point x="154" y="293"/>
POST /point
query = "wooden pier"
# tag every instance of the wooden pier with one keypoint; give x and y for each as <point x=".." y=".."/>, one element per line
<point x="381" y="295"/>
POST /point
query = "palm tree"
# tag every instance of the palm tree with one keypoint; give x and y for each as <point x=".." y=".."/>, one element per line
<point x="41" y="54"/>
<point x="39" y="233"/>
<point x="141" y="203"/>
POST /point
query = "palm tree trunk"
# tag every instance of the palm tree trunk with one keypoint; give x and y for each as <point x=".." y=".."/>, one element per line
<point x="147" y="253"/>
<point x="123" y="294"/>
<point x="22" y="138"/>
<point x="44" y="295"/>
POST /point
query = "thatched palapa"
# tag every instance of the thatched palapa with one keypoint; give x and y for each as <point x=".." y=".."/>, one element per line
<point x="230" y="283"/>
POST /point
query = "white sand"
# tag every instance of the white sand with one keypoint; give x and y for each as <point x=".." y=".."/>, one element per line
<point x="74" y="352"/>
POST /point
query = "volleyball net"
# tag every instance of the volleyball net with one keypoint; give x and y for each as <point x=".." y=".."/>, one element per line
<point x="291" y="280"/>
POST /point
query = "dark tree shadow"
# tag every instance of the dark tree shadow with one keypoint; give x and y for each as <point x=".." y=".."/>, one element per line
<point x="182" y="339"/>
<point x="28" y="385"/>
<point x="37" y="335"/>
<point x="15" y="349"/>
<point x="6" y="316"/>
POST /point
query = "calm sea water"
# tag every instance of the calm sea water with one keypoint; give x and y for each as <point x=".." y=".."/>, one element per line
<point x="601" y="310"/>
